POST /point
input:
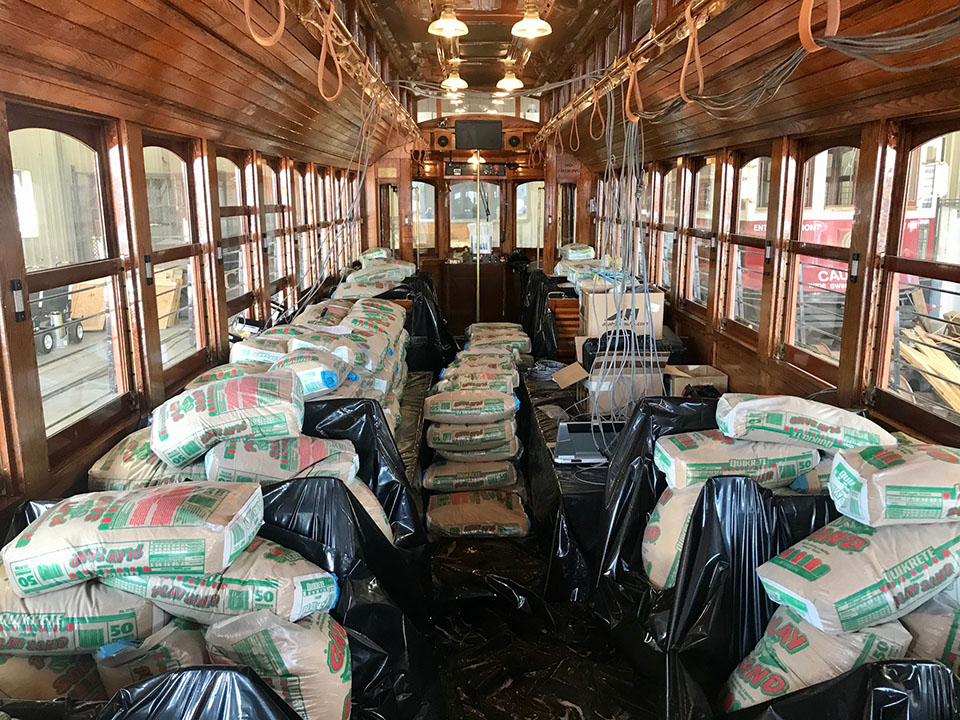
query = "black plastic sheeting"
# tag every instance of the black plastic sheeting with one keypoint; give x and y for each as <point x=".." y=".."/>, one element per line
<point x="431" y="345"/>
<point x="536" y="317"/>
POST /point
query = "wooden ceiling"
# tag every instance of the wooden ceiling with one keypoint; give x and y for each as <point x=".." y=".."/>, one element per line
<point x="829" y="91"/>
<point x="183" y="66"/>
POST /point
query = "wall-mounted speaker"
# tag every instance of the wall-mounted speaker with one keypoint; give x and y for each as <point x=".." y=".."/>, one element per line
<point x="442" y="140"/>
<point x="514" y="141"/>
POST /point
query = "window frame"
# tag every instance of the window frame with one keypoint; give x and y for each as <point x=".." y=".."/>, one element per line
<point x="248" y="210"/>
<point x="690" y="174"/>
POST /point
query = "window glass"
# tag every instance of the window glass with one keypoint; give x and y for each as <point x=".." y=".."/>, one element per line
<point x="530" y="108"/>
<point x="931" y="223"/>
<point x="747" y="286"/>
<point x="700" y="271"/>
<point x="529" y="214"/>
<point x="426" y="109"/>
<point x="176" y="302"/>
<point x="424" y="215"/>
<point x="641" y="18"/>
<point x="463" y="215"/>
<point x="703" y="217"/>
<point x="821" y="288"/>
<point x="754" y="196"/>
<point x="666" y="261"/>
<point x="168" y="201"/>
<point x="670" y="197"/>
<point x="57" y="189"/>
<point x="74" y="329"/>
<point x="828" y="179"/>
<point x="235" y="271"/>
<point x="230" y="192"/>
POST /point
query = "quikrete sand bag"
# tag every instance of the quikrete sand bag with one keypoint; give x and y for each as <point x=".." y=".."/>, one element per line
<point x="445" y="436"/>
<point x="261" y="406"/>
<point x="131" y="464"/>
<point x="374" y="509"/>
<point x="359" y="350"/>
<point x="319" y="372"/>
<point x="467" y="383"/>
<point x="693" y="458"/>
<point x="195" y="528"/>
<point x="487" y="327"/>
<point x="665" y="533"/>
<point x="847" y="576"/>
<point x="225" y="372"/>
<point x="470" y="372"/>
<point x="520" y="343"/>
<point x="935" y="627"/>
<point x="178" y="645"/>
<point x="792" y="655"/>
<point x="266" y="576"/>
<point x="75" y="619"/>
<point x="444" y="476"/>
<point x="508" y="451"/>
<point x="816" y="481"/>
<point x="897" y="485"/>
<point x="786" y="419"/>
<point x="465" y="408"/>
<point x="271" y="461"/>
<point x="307" y="663"/>
<point x="490" y="513"/>
<point x="259" y="349"/>
<point x="50" y="677"/>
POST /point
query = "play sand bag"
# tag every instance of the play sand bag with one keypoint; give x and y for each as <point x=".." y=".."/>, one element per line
<point x="487" y="327"/>
<point x="444" y="476"/>
<point x="792" y="655"/>
<point x="483" y="513"/>
<point x="272" y="461"/>
<point x="266" y="576"/>
<point x="787" y="419"/>
<point x="847" y="576"/>
<point x="374" y="253"/>
<point x="381" y="305"/>
<point x="75" y="619"/>
<point x="179" y="645"/>
<point x="225" y="372"/>
<point x="266" y="406"/>
<point x="510" y="341"/>
<point x="508" y="451"/>
<point x="469" y="372"/>
<point x="935" y="627"/>
<point x="665" y="533"/>
<point x="693" y="458"/>
<point x="469" y="383"/>
<point x="466" y="408"/>
<point x="373" y="321"/>
<point x="307" y="663"/>
<point x="897" y="485"/>
<point x="319" y="372"/>
<point x="382" y="270"/>
<point x="816" y="481"/>
<point x="346" y="290"/>
<point x="50" y="677"/>
<point x="444" y="436"/>
<point x="337" y="344"/>
<point x="259" y="349"/>
<point x="194" y="528"/>
<point x="131" y="464"/>
<point x="577" y="251"/>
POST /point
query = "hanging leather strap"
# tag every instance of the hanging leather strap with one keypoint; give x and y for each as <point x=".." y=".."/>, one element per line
<point x="693" y="52"/>
<point x="806" y="18"/>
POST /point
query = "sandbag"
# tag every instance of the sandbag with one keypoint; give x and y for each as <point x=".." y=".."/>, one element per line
<point x="131" y="464"/>
<point x="445" y="436"/>
<point x="374" y="253"/>
<point x="576" y="251"/>
<point x="196" y="528"/>
<point x="266" y="576"/>
<point x="286" y="332"/>
<point x="935" y="627"/>
<point x="73" y="620"/>
<point x="505" y="372"/>
<point x="259" y="349"/>
<point x="693" y="458"/>
<point x="520" y="343"/>
<point x="897" y="485"/>
<point x="816" y="481"/>
<point x="792" y="654"/>
<point x="352" y="289"/>
<point x="484" y="513"/>
<point x="493" y="327"/>
<point x="270" y="461"/>
<point x="307" y="663"/>
<point x="319" y="372"/>
<point x="847" y="576"/>
<point x="489" y="353"/>
<point x="178" y="645"/>
<point x="463" y="408"/>
<point x="50" y="677"/>
<point x="444" y="476"/>
<point x="336" y="344"/>
<point x="381" y="305"/>
<point x="508" y="451"/>
<point x="265" y="406"/>
<point x="793" y="420"/>
<point x="371" y="504"/>
<point x="225" y="372"/>
<point x="468" y="383"/>
<point x="382" y="270"/>
<point x="665" y="532"/>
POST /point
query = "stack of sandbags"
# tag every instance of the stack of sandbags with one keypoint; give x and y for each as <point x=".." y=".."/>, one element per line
<point x="472" y="430"/>
<point x="778" y="441"/>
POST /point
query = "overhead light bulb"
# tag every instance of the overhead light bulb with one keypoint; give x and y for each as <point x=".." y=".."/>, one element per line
<point x="452" y="95"/>
<point x="497" y="102"/>
<point x="448" y="25"/>
<point x="532" y="26"/>
<point x="509" y="82"/>
<point x="475" y="160"/>
<point x="454" y="81"/>
<point x="500" y="94"/>
<point x="457" y="101"/>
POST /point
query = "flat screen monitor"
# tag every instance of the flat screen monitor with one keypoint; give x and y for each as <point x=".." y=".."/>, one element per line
<point x="479" y="134"/>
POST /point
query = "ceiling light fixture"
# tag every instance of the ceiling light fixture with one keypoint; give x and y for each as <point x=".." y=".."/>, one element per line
<point x="475" y="159"/>
<point x="500" y="94"/>
<point x="509" y="81"/>
<point x="454" y="82"/>
<point x="448" y="25"/>
<point x="497" y="102"/>
<point x="532" y="26"/>
<point x="457" y="101"/>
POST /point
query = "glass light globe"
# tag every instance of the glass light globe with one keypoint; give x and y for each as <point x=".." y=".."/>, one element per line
<point x="532" y="26"/>
<point x="454" y="82"/>
<point x="509" y="82"/>
<point x="448" y="25"/>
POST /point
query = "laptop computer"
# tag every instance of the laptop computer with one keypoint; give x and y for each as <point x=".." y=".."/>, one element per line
<point x="584" y="443"/>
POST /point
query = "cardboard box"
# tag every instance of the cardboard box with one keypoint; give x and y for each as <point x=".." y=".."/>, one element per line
<point x="567" y="376"/>
<point x="598" y="312"/>
<point x="614" y="385"/>
<point x="679" y="376"/>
